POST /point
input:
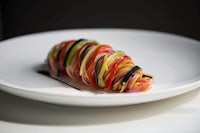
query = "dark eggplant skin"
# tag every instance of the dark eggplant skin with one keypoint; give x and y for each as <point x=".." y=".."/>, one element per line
<point x="58" y="61"/>
<point x="96" y="70"/>
<point x="148" y="76"/>
<point x="68" y="52"/>
<point x="129" y="74"/>
<point x="85" y="52"/>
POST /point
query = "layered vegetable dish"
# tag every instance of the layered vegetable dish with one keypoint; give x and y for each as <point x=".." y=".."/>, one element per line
<point x="98" y="66"/>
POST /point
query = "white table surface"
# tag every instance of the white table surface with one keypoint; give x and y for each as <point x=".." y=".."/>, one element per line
<point x="180" y="114"/>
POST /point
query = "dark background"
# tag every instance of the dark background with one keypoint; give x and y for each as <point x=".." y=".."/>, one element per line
<point x="19" y="17"/>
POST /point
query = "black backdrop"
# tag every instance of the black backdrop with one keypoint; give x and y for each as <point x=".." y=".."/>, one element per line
<point x="19" y="17"/>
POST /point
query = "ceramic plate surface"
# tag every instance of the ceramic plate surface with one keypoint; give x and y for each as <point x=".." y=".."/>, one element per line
<point x="173" y="60"/>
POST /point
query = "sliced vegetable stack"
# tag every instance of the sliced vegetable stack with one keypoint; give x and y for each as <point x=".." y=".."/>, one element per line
<point x="98" y="66"/>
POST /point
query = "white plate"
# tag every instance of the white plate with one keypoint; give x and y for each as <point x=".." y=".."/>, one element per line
<point x="172" y="59"/>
